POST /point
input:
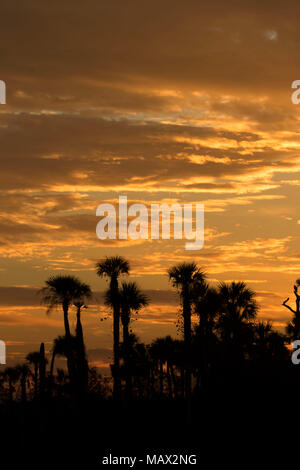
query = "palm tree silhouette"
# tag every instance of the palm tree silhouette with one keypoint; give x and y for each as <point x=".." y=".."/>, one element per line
<point x="207" y="307"/>
<point x="132" y="299"/>
<point x="34" y="359"/>
<point x="139" y="365"/>
<point x="82" y="363"/>
<point x="263" y="331"/>
<point x="163" y="351"/>
<point x="11" y="375"/>
<point x="268" y="343"/>
<point x="238" y="309"/>
<point x="84" y="293"/>
<point x="64" y="291"/>
<point x="42" y="370"/>
<point x="23" y="372"/>
<point x="185" y="276"/>
<point x="113" y="267"/>
<point x="58" y="349"/>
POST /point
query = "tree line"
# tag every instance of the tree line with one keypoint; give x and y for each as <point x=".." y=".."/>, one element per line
<point x="225" y="336"/>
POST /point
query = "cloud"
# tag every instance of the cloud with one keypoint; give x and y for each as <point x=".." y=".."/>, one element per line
<point x="29" y="296"/>
<point x="159" y="101"/>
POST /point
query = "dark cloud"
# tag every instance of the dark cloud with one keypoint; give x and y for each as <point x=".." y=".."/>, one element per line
<point x="215" y="45"/>
<point x="42" y="152"/>
<point x="29" y="296"/>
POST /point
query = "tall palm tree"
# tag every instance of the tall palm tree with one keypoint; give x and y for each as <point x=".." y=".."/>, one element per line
<point x="132" y="299"/>
<point x="64" y="291"/>
<point x="185" y="276"/>
<point x="112" y="268"/>
<point x="84" y="293"/>
<point x="82" y="363"/>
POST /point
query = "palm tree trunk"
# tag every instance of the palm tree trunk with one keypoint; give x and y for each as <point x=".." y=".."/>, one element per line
<point x="82" y="361"/>
<point x="52" y="364"/>
<point x="51" y="372"/>
<point x="36" y="368"/>
<point x="152" y="379"/>
<point x="10" y="389"/>
<point x="187" y="349"/>
<point x="66" y="319"/>
<point x="174" y="381"/>
<point x="69" y="353"/>
<point x="182" y="375"/>
<point x="116" y="334"/>
<point x="169" y="381"/>
<point x="23" y="388"/>
<point x="42" y="370"/>
<point x="126" y="360"/>
<point x="161" y="378"/>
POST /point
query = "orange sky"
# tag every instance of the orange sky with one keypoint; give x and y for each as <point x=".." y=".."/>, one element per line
<point x="166" y="101"/>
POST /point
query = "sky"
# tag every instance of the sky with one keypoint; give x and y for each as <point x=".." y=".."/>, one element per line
<point x="161" y="101"/>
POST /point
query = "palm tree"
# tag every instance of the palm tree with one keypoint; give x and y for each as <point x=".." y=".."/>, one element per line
<point x="269" y="343"/>
<point x="207" y="307"/>
<point x="11" y="374"/>
<point x="84" y="293"/>
<point x="238" y="309"/>
<point x="113" y="267"/>
<point x="34" y="359"/>
<point x="263" y="331"/>
<point x="185" y="276"/>
<point x="163" y="351"/>
<point x="42" y="370"/>
<point x="82" y="363"/>
<point x="132" y="299"/>
<point x="58" y="349"/>
<point x="139" y="365"/>
<point x="23" y="371"/>
<point x="64" y="291"/>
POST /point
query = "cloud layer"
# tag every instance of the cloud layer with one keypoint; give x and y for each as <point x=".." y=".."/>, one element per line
<point x="163" y="102"/>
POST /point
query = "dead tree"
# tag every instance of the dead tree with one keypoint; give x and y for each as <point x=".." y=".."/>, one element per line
<point x="293" y="327"/>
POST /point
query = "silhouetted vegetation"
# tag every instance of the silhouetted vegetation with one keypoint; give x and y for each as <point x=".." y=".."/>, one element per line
<point x="223" y="349"/>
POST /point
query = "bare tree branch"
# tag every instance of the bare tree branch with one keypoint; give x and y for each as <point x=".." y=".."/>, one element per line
<point x="287" y="306"/>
